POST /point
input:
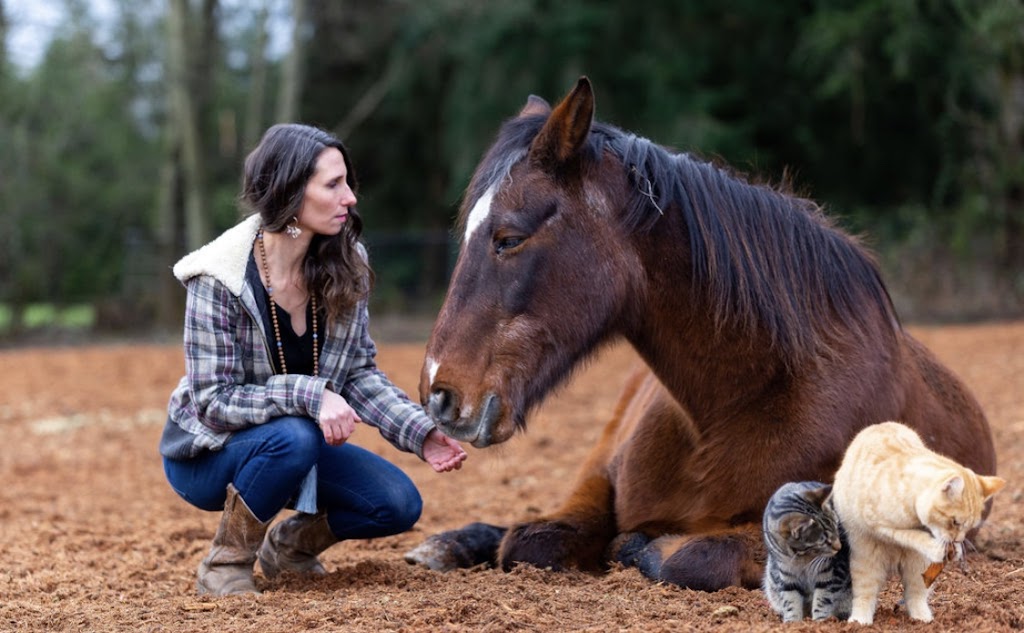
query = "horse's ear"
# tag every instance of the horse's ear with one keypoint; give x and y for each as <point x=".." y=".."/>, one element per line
<point x="567" y="128"/>
<point x="534" y="106"/>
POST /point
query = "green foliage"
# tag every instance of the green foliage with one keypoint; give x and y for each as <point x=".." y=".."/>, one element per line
<point x="903" y="117"/>
<point x="79" y="172"/>
<point x="859" y="102"/>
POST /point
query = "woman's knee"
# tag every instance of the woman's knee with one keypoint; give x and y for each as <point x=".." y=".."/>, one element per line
<point x="405" y="508"/>
<point x="297" y="439"/>
<point x="205" y="492"/>
<point x="395" y="509"/>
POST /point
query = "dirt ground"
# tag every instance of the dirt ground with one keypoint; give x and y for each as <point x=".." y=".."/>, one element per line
<point x="93" y="539"/>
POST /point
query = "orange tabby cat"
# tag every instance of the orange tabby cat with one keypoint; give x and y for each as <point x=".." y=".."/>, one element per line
<point x="903" y="507"/>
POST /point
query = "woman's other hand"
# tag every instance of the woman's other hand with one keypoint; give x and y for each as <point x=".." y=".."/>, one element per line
<point x="337" y="419"/>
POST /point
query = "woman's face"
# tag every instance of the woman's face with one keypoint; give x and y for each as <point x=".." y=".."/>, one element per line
<point x="328" y="196"/>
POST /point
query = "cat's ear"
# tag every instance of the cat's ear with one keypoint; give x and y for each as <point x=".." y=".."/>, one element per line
<point x="953" y="489"/>
<point x="990" y="485"/>
<point x="817" y="496"/>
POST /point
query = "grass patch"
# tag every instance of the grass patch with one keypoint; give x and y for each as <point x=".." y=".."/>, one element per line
<point x="77" y="317"/>
<point x="38" y="315"/>
<point x="81" y="316"/>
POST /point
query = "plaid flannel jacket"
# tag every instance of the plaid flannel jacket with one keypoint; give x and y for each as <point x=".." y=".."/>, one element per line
<point x="229" y="381"/>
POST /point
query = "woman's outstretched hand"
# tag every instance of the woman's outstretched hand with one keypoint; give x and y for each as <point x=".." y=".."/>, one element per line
<point x="337" y="419"/>
<point x="442" y="452"/>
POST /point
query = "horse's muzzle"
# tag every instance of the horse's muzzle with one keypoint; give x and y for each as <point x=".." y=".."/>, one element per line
<point x="444" y="408"/>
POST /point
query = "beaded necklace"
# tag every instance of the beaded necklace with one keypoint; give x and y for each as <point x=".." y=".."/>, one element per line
<point x="273" y="314"/>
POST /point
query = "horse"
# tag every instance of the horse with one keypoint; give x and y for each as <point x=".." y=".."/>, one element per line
<point x="767" y="335"/>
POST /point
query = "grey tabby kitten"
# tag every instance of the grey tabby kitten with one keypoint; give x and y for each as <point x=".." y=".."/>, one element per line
<point x="808" y="567"/>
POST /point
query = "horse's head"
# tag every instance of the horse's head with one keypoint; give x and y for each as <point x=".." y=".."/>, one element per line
<point x="541" y="278"/>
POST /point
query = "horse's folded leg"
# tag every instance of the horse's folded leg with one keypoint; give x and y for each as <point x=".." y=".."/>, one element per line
<point x="702" y="562"/>
<point x="472" y="545"/>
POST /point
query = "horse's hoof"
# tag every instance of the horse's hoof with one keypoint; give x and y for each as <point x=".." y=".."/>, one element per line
<point x="432" y="554"/>
<point x="473" y="545"/>
<point x="627" y="548"/>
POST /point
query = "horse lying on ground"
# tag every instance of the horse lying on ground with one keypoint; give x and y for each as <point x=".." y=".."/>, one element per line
<point x="770" y="338"/>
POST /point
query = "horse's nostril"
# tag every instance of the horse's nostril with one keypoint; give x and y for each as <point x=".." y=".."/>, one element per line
<point x="442" y="405"/>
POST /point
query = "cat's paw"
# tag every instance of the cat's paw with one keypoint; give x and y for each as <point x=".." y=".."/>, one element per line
<point x="920" y="613"/>
<point x="936" y="552"/>
<point x="862" y="615"/>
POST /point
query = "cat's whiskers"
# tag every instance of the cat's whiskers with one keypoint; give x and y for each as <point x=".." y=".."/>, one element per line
<point x="818" y="563"/>
<point x="961" y="553"/>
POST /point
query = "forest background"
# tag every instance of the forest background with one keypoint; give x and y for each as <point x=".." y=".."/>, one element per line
<point x="124" y="123"/>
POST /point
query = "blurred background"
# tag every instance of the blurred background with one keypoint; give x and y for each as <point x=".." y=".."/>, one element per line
<point x="124" y="123"/>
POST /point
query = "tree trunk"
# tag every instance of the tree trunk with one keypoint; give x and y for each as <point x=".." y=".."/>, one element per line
<point x="182" y="218"/>
<point x="3" y="40"/>
<point x="1011" y="133"/>
<point x="292" y="69"/>
<point x="167" y="235"/>
<point x="258" y="84"/>
<point x="186" y="91"/>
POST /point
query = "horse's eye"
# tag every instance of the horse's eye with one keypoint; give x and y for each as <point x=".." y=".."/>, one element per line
<point x="502" y="244"/>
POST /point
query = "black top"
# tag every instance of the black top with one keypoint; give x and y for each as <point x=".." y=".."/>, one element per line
<point x="298" y="350"/>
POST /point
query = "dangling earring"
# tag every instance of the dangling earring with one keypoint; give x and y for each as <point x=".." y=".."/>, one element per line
<point x="293" y="229"/>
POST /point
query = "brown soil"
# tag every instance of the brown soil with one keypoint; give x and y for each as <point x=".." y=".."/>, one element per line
<point x="93" y="539"/>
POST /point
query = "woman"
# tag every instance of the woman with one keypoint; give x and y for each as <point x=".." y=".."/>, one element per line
<point x="279" y="369"/>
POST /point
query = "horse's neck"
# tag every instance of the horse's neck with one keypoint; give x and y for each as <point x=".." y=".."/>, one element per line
<point x="706" y="372"/>
<point x="674" y="330"/>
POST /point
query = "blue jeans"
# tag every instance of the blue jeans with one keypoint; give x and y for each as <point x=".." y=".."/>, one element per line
<point x="364" y="495"/>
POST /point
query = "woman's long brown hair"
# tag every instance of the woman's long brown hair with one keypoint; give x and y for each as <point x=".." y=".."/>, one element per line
<point x="274" y="183"/>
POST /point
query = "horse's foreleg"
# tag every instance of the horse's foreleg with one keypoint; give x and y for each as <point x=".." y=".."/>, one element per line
<point x="577" y="534"/>
<point x="574" y="537"/>
<point x="705" y="562"/>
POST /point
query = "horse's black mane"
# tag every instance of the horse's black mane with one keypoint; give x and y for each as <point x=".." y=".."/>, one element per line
<point x="770" y="260"/>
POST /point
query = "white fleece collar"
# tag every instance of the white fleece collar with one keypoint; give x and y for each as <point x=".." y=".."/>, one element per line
<point x="225" y="258"/>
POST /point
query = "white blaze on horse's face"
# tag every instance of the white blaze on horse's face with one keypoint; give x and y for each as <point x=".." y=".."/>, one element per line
<point x="477" y="216"/>
<point x="432" y="367"/>
<point x="479" y="213"/>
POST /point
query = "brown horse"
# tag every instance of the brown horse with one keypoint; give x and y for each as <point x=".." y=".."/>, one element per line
<point x="770" y="337"/>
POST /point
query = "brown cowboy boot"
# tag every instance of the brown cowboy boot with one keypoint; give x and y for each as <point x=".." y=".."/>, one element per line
<point x="293" y="545"/>
<point x="227" y="569"/>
